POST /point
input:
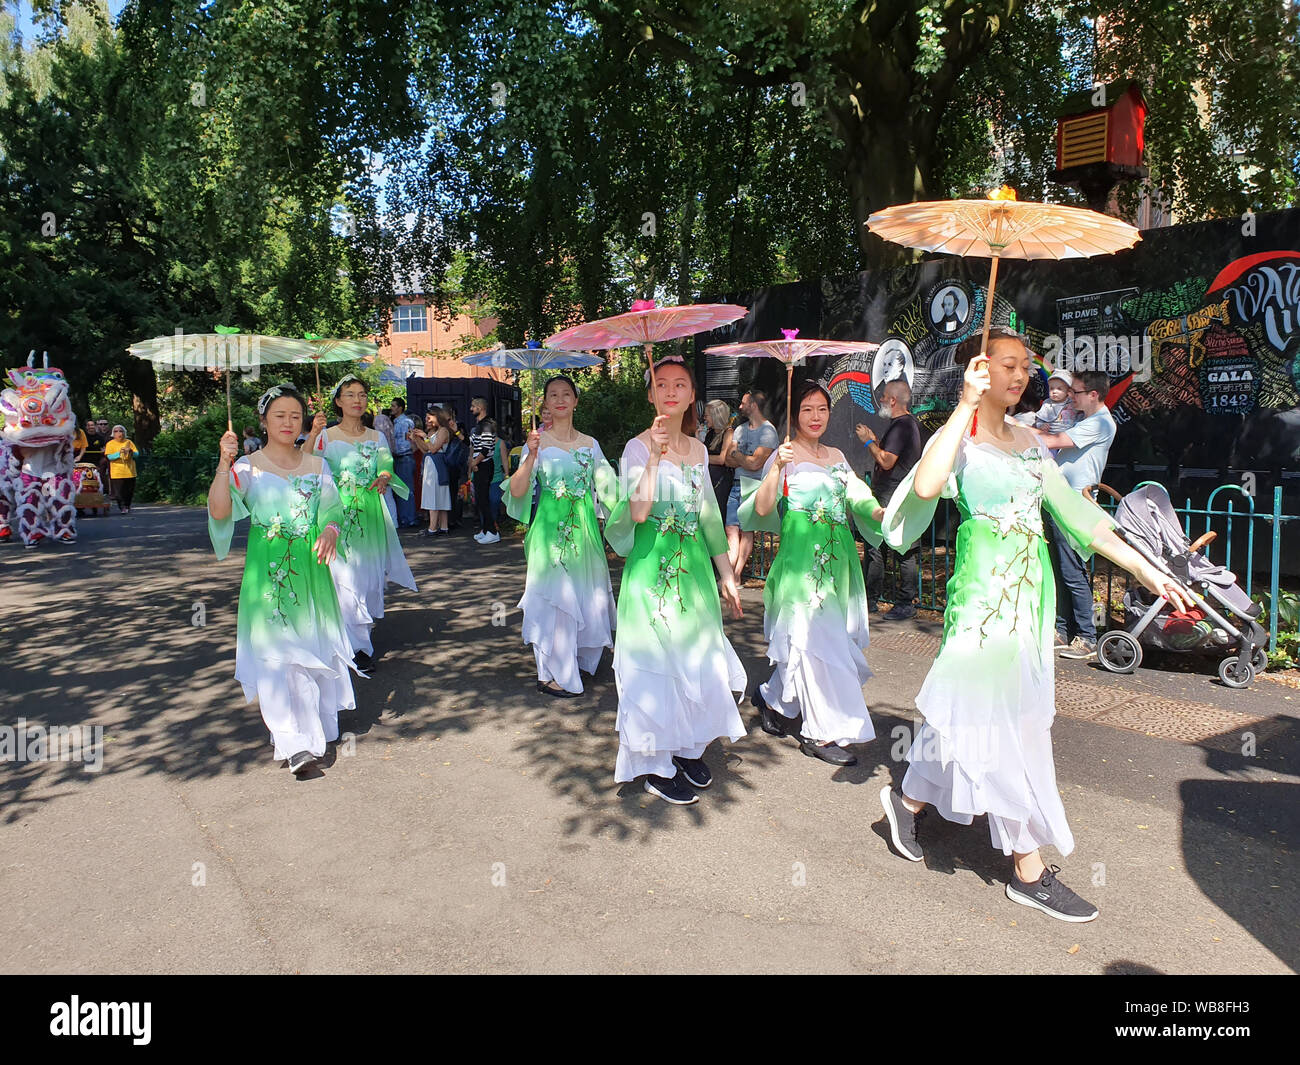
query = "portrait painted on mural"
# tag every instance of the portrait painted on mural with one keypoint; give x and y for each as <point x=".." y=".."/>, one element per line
<point x="949" y="311"/>
<point x="893" y="360"/>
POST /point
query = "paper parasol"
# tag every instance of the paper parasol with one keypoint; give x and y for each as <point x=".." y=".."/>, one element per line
<point x="1002" y="227"/>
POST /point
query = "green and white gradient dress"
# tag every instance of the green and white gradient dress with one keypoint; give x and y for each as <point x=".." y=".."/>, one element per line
<point x="371" y="554"/>
<point x="677" y="674"/>
<point x="568" y="602"/>
<point x="814" y="601"/>
<point x="292" y="651"/>
<point x="990" y="697"/>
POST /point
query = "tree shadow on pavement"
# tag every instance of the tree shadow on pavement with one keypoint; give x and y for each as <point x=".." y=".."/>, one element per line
<point x="1257" y="881"/>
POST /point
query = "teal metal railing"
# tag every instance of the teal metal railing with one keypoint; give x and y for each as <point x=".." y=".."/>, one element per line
<point x="1237" y="522"/>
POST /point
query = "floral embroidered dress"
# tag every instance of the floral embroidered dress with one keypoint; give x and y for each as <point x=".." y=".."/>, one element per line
<point x="292" y="651"/>
<point x="568" y="603"/>
<point x="815" y="601"/>
<point x="990" y="697"/>
<point x="371" y="554"/>
<point x="675" y="669"/>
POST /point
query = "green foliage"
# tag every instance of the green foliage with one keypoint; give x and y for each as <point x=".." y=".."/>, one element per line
<point x="611" y="409"/>
<point x="1287" y="655"/>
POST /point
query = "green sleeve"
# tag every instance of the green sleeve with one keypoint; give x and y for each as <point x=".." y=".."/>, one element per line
<point x="750" y="519"/>
<point x="521" y="507"/>
<point x="220" y="531"/>
<point x="620" y="529"/>
<point x="1074" y="515"/>
<point x="908" y="517"/>
<point x="862" y="504"/>
<point x="384" y="464"/>
<point x="330" y="508"/>
<point x="715" y="535"/>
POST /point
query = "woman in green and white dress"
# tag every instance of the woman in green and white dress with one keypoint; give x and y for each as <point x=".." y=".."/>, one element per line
<point x="370" y="553"/>
<point x="989" y="699"/>
<point x="292" y="653"/>
<point x="814" y="599"/>
<point x="677" y="674"/>
<point x="568" y="603"/>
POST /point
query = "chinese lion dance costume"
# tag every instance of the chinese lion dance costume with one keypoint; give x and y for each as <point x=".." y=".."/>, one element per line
<point x="37" y="492"/>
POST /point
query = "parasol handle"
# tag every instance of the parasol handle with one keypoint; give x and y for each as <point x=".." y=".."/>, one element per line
<point x="984" y="335"/>
<point x="230" y="424"/>
<point x="649" y="349"/>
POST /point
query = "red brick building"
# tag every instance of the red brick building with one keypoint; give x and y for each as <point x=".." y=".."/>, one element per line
<point x="418" y="342"/>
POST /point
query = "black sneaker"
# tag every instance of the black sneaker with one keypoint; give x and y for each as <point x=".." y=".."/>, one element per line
<point x="301" y="761"/>
<point x="902" y="824"/>
<point x="1051" y="896"/>
<point x="901" y="612"/>
<point x="695" y="771"/>
<point x="675" y="791"/>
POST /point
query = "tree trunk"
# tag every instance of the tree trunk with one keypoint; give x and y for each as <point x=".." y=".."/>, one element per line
<point x="885" y="166"/>
<point x="143" y="383"/>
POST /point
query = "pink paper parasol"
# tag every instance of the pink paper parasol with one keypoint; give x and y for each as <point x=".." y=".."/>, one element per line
<point x="789" y="351"/>
<point x="647" y="324"/>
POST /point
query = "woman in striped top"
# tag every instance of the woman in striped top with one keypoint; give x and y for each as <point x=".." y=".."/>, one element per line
<point x="482" y="443"/>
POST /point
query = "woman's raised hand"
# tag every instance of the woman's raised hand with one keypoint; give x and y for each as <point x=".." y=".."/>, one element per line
<point x="784" y="455"/>
<point x="534" y="443"/>
<point x="975" y="382"/>
<point x="659" y="432"/>
<point x="229" y="447"/>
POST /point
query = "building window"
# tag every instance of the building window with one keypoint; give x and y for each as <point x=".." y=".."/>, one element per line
<point x="409" y="318"/>
<point x="412" y="367"/>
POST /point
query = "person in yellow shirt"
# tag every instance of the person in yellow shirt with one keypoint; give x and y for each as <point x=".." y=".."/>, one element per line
<point x="79" y="445"/>
<point x="121" y="453"/>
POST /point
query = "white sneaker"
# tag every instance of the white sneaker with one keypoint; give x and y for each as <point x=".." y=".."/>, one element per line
<point x="491" y="538"/>
<point x="479" y="536"/>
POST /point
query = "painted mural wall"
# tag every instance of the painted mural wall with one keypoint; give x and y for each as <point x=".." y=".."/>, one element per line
<point x="1198" y="328"/>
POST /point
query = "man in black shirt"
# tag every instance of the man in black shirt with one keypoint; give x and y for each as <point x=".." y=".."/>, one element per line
<point x="895" y="454"/>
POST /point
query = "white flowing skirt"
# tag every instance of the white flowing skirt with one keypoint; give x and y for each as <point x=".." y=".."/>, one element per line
<point x="675" y="707"/>
<point x="569" y="617"/>
<point x="819" y="671"/>
<point x="986" y="745"/>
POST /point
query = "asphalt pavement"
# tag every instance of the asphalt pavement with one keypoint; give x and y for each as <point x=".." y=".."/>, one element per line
<point x="467" y="823"/>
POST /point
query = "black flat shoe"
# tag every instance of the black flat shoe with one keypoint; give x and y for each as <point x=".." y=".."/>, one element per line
<point x="830" y="752"/>
<point x="556" y="693"/>
<point x="769" y="720"/>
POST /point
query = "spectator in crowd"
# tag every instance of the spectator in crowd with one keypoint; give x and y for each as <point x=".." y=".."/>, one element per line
<point x="252" y="442"/>
<point x="717" y="441"/>
<point x="80" y="442"/>
<point x="384" y="424"/>
<point x="484" y="446"/>
<point x="752" y="443"/>
<point x="457" y="465"/>
<point x="105" y="470"/>
<point x="403" y="461"/>
<point x="1084" y="448"/>
<point x="894" y="454"/>
<point x="121" y="453"/>
<point x="435" y="494"/>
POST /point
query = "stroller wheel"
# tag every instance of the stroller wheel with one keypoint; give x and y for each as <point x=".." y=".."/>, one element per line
<point x="1119" y="652"/>
<point x="1236" y="674"/>
<point x="1259" y="660"/>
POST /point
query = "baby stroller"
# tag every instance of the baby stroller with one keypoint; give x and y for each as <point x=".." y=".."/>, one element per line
<point x="1223" y="619"/>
